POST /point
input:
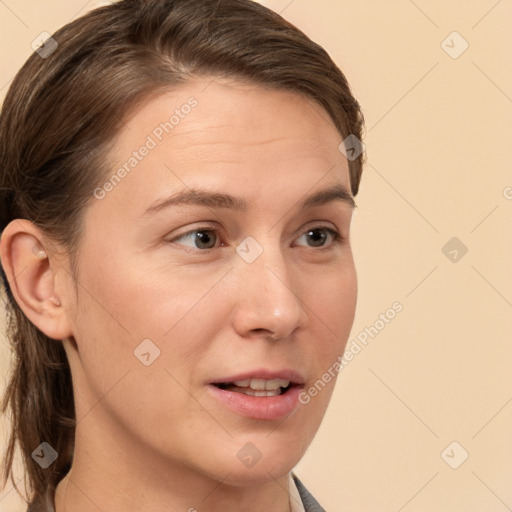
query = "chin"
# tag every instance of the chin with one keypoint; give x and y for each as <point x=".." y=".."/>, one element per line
<point x="257" y="461"/>
<point x="260" y="474"/>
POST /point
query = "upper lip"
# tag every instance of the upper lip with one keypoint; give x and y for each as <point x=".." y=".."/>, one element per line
<point x="287" y="374"/>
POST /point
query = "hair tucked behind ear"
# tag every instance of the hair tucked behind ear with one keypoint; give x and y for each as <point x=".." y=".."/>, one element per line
<point x="56" y="126"/>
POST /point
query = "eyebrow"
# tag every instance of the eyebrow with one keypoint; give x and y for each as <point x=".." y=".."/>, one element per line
<point x="198" y="197"/>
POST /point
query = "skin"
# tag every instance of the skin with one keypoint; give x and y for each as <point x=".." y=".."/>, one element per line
<point x="151" y="437"/>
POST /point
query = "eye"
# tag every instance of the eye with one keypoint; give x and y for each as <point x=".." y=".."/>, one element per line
<point x="319" y="235"/>
<point x="202" y="238"/>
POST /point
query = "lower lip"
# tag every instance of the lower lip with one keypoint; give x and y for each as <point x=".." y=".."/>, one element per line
<point x="259" y="407"/>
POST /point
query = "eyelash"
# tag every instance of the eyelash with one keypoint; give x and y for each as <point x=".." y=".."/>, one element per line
<point x="337" y="238"/>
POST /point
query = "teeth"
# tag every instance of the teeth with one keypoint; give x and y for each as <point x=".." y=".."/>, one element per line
<point x="242" y="383"/>
<point x="262" y="384"/>
<point x="252" y="392"/>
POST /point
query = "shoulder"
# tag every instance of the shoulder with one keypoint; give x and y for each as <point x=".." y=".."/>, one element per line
<point x="310" y="503"/>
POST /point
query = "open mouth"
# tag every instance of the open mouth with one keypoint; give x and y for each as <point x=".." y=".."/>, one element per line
<point x="260" y="394"/>
<point x="257" y="387"/>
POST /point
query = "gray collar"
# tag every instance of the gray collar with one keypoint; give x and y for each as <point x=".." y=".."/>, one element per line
<point x="310" y="504"/>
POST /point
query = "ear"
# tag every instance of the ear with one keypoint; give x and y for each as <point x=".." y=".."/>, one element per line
<point x="29" y="268"/>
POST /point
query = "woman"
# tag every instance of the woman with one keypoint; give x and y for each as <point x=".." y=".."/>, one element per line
<point x="153" y="372"/>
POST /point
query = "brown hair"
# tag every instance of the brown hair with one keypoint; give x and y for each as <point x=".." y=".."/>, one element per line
<point x="56" y="124"/>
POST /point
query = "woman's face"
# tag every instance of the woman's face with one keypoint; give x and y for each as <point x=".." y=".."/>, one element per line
<point x="173" y="299"/>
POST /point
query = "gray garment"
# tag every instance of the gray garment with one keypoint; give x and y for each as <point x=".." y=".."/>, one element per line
<point x="310" y="504"/>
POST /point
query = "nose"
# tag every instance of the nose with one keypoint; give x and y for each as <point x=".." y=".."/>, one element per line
<point x="268" y="302"/>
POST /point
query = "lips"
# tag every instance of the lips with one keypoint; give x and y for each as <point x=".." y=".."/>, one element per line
<point x="259" y="394"/>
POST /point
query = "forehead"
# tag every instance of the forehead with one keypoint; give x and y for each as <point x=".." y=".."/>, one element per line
<point x="217" y="111"/>
<point x="230" y="135"/>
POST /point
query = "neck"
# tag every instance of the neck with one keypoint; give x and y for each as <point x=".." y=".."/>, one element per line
<point x="114" y="473"/>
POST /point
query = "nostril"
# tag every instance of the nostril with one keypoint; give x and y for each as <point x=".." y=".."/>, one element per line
<point x="265" y="333"/>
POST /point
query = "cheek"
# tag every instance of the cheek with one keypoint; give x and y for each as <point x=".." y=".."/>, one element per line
<point x="126" y="319"/>
<point x="128" y="302"/>
<point x="331" y="303"/>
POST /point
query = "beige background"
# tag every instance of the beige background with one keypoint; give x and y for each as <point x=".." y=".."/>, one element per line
<point x="439" y="144"/>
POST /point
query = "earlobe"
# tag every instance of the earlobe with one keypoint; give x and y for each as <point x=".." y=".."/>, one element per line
<point x="31" y="277"/>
